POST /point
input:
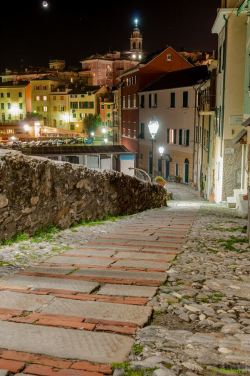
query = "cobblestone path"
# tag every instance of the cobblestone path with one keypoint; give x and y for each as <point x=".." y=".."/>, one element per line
<point x="78" y="312"/>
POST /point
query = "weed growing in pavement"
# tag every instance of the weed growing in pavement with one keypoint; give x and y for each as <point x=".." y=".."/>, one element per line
<point x="44" y="234"/>
<point x="20" y="237"/>
<point x="137" y="348"/>
<point x="102" y="221"/>
<point x="128" y="371"/>
<point x="228" y="371"/>
<point x="229" y="229"/>
<point x="230" y="243"/>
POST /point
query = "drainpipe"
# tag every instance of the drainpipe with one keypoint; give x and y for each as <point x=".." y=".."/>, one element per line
<point x="224" y="80"/>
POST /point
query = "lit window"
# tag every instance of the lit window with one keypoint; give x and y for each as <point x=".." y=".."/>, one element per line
<point x="38" y="97"/>
<point x="129" y="104"/>
<point x="169" y="57"/>
<point x="134" y="56"/>
<point x="45" y="97"/>
<point x="45" y="109"/>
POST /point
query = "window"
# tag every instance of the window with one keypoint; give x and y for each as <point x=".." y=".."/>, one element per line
<point x="20" y="106"/>
<point x="2" y="95"/>
<point x="142" y="130"/>
<point x="172" y="100"/>
<point x="124" y="102"/>
<point x="155" y="100"/>
<point x="45" y="109"/>
<point x="108" y="106"/>
<point x="9" y="106"/>
<point x="169" y="57"/>
<point x="150" y="100"/>
<point x="184" y="137"/>
<point x="20" y="94"/>
<point x="62" y="108"/>
<point x="129" y="104"/>
<point x="38" y="97"/>
<point x="171" y="136"/>
<point x="134" y="101"/>
<point x="142" y="104"/>
<point x="74" y="105"/>
<point x="185" y="98"/>
<point x="8" y="95"/>
<point x="91" y="104"/>
<point x="45" y="97"/>
<point x="2" y="106"/>
<point x="62" y="97"/>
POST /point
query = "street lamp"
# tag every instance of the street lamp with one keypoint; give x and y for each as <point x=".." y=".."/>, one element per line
<point x="153" y="127"/>
<point x="105" y="140"/>
<point x="161" y="151"/>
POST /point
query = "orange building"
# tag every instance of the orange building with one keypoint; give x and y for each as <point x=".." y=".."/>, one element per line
<point x="136" y="79"/>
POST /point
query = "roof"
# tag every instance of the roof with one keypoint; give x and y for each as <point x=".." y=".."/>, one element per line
<point x="78" y="149"/>
<point x="84" y="89"/>
<point x="14" y="84"/>
<point x="181" y="78"/>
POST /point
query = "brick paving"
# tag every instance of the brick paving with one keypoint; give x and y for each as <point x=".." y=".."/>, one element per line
<point x="78" y="312"/>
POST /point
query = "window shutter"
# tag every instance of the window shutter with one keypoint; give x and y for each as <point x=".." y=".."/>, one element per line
<point x="175" y="134"/>
<point x="167" y="135"/>
<point x="180" y="136"/>
<point x="150" y="101"/>
<point x="187" y="137"/>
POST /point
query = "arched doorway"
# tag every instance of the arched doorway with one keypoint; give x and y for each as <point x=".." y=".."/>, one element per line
<point x="186" y="171"/>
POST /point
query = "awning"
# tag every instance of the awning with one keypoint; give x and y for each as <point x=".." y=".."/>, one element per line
<point x="239" y="136"/>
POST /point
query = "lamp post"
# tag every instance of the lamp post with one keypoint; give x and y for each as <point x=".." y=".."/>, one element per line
<point x="161" y="151"/>
<point x="153" y="127"/>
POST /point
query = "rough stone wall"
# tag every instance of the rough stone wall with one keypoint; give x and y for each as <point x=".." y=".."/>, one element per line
<point x="231" y="169"/>
<point x="38" y="192"/>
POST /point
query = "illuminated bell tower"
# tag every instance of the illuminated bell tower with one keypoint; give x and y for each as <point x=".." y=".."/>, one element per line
<point x="136" y="43"/>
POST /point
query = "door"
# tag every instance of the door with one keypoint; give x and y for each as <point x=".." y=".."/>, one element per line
<point x="167" y="169"/>
<point x="186" y="171"/>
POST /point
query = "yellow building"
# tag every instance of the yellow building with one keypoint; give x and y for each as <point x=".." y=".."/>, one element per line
<point x="40" y="93"/>
<point x="15" y="101"/>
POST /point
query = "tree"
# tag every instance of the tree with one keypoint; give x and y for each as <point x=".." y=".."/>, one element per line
<point x="91" y="122"/>
<point x="33" y="116"/>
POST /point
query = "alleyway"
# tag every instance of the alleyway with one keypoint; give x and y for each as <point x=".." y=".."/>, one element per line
<point x="79" y="312"/>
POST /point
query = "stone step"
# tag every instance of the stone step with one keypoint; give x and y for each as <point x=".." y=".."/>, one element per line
<point x="125" y="290"/>
<point x="65" y="343"/>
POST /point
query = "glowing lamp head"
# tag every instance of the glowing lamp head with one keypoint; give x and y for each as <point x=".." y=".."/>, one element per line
<point x="104" y="130"/>
<point x="26" y="127"/>
<point x="45" y="4"/>
<point x="161" y="150"/>
<point x="134" y="56"/>
<point x="105" y="140"/>
<point x="153" y="127"/>
<point x="92" y="134"/>
<point x="136" y="22"/>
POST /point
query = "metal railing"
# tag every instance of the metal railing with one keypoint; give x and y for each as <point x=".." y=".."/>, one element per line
<point x="141" y="175"/>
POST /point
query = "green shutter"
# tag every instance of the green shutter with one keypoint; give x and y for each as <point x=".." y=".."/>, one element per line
<point x="180" y="136"/>
<point x="167" y="135"/>
<point x="187" y="137"/>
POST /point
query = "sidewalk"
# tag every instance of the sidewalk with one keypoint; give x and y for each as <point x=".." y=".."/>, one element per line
<point x="80" y="310"/>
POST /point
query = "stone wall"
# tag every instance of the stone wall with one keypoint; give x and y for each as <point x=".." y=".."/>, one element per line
<point x="37" y="192"/>
<point x="231" y="169"/>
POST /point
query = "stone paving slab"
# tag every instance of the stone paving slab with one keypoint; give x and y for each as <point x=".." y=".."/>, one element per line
<point x="125" y="290"/>
<point x="3" y="372"/>
<point x="21" y="301"/>
<point x="50" y="270"/>
<point x="48" y="283"/>
<point x="98" y="310"/>
<point x="146" y="264"/>
<point x="121" y="274"/>
<point x="65" y="343"/>
<point x="144" y="256"/>
<point x="92" y="252"/>
<point x="230" y="287"/>
<point x="79" y="260"/>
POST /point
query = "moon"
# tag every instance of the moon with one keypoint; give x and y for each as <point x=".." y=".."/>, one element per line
<point x="45" y="4"/>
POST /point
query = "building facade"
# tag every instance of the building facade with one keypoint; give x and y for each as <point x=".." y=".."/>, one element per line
<point x="135" y="80"/>
<point x="171" y="101"/>
<point x="230" y="155"/>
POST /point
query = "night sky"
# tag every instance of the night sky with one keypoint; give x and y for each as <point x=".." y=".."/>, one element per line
<point x="31" y="35"/>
